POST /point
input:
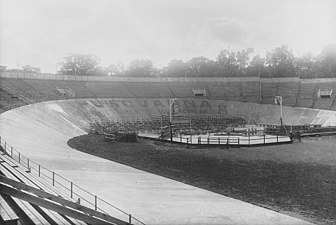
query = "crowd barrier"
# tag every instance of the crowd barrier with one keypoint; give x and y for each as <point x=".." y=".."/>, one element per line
<point x="67" y="187"/>
<point x="229" y="141"/>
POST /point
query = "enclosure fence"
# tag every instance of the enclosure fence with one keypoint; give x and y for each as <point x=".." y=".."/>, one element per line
<point x="233" y="140"/>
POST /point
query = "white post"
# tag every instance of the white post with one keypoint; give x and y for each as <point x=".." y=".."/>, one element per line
<point x="171" y="102"/>
<point x="278" y="99"/>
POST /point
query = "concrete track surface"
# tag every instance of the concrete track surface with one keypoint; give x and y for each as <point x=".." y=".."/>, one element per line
<point x="41" y="131"/>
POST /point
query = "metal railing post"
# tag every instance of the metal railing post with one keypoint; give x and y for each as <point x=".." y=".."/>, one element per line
<point x="19" y="157"/>
<point x="5" y="147"/>
<point x="39" y="170"/>
<point x="208" y="140"/>
<point x="130" y="219"/>
<point x="28" y="163"/>
<point x="71" y="189"/>
<point x="96" y="206"/>
<point x="12" y="152"/>
<point x="238" y="142"/>
<point x="53" y="178"/>
<point x="264" y="139"/>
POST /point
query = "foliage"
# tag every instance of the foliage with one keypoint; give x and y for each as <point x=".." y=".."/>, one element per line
<point x="31" y="69"/>
<point x="280" y="62"/>
<point x="176" y="68"/>
<point x="79" y="64"/>
<point x="3" y="68"/>
<point x="117" y="69"/>
<point x="328" y="60"/>
<point x="140" y="68"/>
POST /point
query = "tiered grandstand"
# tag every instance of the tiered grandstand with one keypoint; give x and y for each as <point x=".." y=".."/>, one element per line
<point x="129" y="104"/>
<point x="295" y="92"/>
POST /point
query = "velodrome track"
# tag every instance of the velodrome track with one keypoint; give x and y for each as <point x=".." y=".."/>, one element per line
<point x="41" y="131"/>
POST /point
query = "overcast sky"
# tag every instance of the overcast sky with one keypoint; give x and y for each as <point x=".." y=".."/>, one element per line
<point x="41" y="32"/>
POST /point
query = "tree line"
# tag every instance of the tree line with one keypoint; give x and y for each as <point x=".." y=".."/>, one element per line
<point x="278" y="62"/>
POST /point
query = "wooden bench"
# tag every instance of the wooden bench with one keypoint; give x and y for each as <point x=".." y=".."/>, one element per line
<point x="45" y="204"/>
<point x="47" y="216"/>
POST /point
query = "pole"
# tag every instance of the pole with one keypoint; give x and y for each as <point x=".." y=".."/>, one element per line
<point x="171" y="102"/>
<point x="260" y="98"/>
<point x="278" y="99"/>
<point x="71" y="189"/>
<point x="281" y="111"/>
<point x="96" y="205"/>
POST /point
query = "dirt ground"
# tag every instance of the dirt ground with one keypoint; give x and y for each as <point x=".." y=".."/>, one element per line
<point x="297" y="179"/>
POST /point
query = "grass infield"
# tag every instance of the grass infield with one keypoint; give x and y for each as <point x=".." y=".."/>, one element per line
<point x="298" y="179"/>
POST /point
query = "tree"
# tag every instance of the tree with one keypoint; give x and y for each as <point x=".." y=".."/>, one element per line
<point x="201" y="67"/>
<point x="176" y="68"/>
<point x="79" y="64"/>
<point x="3" y="68"/>
<point x="31" y="69"/>
<point x="306" y="65"/>
<point x="117" y="69"/>
<point x="227" y="62"/>
<point x="140" y="68"/>
<point x="280" y="62"/>
<point x="328" y="61"/>
<point x="257" y="66"/>
<point x="243" y="58"/>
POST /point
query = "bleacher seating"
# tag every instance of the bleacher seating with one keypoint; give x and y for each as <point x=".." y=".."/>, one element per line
<point x="184" y="89"/>
<point x="323" y="103"/>
<point x="28" y="199"/>
<point x="300" y="93"/>
<point x="150" y="89"/>
<point x="108" y="89"/>
<point x="9" y="101"/>
<point x="269" y="90"/>
<point x="289" y="92"/>
<point x="306" y="95"/>
<point x="250" y="91"/>
<point x="234" y="91"/>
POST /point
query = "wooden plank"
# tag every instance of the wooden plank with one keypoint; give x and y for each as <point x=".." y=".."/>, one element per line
<point x="60" y="200"/>
<point x="23" y="217"/>
<point x="42" y="184"/>
<point x="6" y="211"/>
<point x="26" y="207"/>
<point x="52" y="206"/>
<point x="11" y="161"/>
<point x="22" y="176"/>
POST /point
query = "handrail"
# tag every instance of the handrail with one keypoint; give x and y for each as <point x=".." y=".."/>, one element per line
<point x="81" y="194"/>
<point x="229" y="140"/>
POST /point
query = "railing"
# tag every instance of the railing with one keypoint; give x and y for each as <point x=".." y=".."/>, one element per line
<point x="67" y="187"/>
<point x="233" y="140"/>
